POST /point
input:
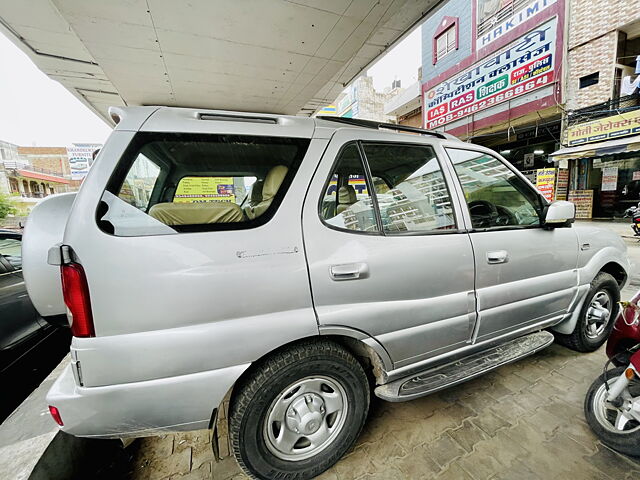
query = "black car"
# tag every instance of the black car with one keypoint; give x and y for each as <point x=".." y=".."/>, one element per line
<point x="19" y="322"/>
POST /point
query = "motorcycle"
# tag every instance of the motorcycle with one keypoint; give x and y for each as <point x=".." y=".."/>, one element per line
<point x="634" y="214"/>
<point x="612" y="404"/>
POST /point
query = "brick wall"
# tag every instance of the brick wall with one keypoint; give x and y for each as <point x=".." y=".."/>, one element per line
<point x="53" y="159"/>
<point x="413" y="120"/>
<point x="598" y="55"/>
<point x="593" y="36"/>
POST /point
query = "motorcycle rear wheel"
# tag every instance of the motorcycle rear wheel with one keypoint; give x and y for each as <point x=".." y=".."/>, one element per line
<point x="615" y="429"/>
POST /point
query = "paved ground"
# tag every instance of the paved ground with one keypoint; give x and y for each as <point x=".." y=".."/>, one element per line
<point x="522" y="421"/>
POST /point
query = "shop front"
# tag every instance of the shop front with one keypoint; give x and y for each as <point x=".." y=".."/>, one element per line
<point x="603" y="157"/>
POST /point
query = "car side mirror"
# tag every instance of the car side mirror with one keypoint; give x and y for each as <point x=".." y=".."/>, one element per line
<point x="560" y="214"/>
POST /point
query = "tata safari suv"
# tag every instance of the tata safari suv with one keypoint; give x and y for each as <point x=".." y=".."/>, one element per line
<point x="295" y="265"/>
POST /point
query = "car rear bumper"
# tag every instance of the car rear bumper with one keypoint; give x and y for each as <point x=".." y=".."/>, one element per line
<point x="185" y="402"/>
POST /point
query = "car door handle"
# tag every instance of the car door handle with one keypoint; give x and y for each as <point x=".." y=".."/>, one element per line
<point x="499" y="256"/>
<point x="349" y="271"/>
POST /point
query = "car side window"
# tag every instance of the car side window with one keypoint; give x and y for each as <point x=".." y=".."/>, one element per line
<point x="410" y="188"/>
<point x="139" y="182"/>
<point x="11" y="251"/>
<point x="495" y="195"/>
<point x="346" y="201"/>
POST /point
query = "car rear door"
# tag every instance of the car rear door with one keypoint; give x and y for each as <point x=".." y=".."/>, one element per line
<point x="403" y="277"/>
<point x="525" y="274"/>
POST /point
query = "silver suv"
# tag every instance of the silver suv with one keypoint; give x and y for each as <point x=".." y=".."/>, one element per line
<point x="293" y="265"/>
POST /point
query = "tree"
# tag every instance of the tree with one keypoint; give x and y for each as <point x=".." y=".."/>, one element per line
<point x="7" y="206"/>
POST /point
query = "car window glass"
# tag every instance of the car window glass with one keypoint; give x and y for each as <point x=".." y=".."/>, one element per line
<point x="11" y="250"/>
<point x="139" y="182"/>
<point x="346" y="202"/>
<point x="411" y="191"/>
<point x="495" y="195"/>
<point x="193" y="182"/>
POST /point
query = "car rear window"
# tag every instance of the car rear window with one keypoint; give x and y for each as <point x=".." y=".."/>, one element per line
<point x="175" y="183"/>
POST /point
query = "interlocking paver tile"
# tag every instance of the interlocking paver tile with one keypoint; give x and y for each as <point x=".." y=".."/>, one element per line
<point x="479" y="465"/>
<point x="454" y="472"/>
<point x="418" y="464"/>
<point x="467" y="435"/>
<point x="489" y="422"/>
<point x="444" y="450"/>
<point x="612" y="464"/>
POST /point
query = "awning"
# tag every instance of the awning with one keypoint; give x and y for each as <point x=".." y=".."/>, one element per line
<point x="600" y="149"/>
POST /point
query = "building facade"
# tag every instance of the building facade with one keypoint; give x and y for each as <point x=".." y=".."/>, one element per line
<point x="493" y="74"/>
<point x="601" y="134"/>
<point x="31" y="173"/>
<point x="553" y="85"/>
<point x="362" y="100"/>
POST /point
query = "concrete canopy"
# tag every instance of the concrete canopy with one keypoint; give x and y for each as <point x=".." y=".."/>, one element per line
<point x="272" y="56"/>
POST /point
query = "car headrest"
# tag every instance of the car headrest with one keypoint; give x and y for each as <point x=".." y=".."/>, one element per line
<point x="273" y="181"/>
<point x="347" y="195"/>
<point x="196" y="213"/>
<point x="256" y="192"/>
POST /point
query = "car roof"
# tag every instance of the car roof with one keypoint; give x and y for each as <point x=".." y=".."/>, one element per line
<point x="163" y="118"/>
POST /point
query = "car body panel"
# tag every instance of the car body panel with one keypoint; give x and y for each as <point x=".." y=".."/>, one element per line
<point x="184" y="402"/>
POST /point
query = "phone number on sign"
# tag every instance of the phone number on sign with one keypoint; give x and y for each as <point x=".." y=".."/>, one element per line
<point x="500" y="97"/>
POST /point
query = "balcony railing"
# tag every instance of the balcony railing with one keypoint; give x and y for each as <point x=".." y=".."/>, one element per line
<point x="12" y="165"/>
<point x="504" y="13"/>
<point x="604" y="109"/>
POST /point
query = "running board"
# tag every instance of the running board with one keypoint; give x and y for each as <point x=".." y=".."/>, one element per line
<point x="443" y="376"/>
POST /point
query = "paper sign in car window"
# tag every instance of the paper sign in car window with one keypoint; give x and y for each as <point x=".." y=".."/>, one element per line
<point x="205" y="189"/>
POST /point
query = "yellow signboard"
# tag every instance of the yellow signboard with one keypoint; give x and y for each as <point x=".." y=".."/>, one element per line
<point x="621" y="125"/>
<point x="205" y="189"/>
<point x="545" y="182"/>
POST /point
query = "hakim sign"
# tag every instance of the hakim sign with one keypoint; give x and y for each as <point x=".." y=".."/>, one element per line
<point x="523" y="66"/>
<point x="517" y="19"/>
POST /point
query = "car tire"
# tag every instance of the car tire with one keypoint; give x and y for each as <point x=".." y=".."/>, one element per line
<point x="296" y="393"/>
<point x="627" y="442"/>
<point x="582" y="339"/>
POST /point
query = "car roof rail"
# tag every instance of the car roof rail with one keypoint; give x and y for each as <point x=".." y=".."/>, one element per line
<point x="389" y="126"/>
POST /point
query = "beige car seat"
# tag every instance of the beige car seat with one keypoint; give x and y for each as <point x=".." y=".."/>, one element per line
<point x="196" y="213"/>
<point x="346" y="198"/>
<point x="256" y="196"/>
<point x="272" y="183"/>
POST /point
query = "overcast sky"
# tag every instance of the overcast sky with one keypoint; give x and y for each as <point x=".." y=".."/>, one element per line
<point x="401" y="62"/>
<point x="35" y="110"/>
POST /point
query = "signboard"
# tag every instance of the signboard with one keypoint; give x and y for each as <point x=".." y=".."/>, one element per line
<point x="205" y="189"/>
<point x="529" y="11"/>
<point x="523" y="66"/>
<point x="636" y="175"/>
<point x="562" y="184"/>
<point x="609" y="179"/>
<point x="545" y="182"/>
<point x="528" y="160"/>
<point x="81" y="158"/>
<point x="583" y="200"/>
<point x="620" y="125"/>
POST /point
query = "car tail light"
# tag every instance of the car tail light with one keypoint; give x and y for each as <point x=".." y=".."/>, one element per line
<point x="55" y="413"/>
<point x="76" y="296"/>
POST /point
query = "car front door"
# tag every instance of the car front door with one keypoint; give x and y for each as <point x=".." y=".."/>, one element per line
<point x="384" y="245"/>
<point x="18" y="317"/>
<point x="525" y="274"/>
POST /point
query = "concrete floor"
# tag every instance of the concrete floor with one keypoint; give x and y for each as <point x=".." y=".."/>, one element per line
<point x="521" y="421"/>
